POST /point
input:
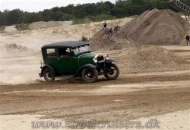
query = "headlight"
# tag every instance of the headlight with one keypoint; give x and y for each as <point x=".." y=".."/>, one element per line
<point x="107" y="56"/>
<point x="98" y="59"/>
<point x="95" y="59"/>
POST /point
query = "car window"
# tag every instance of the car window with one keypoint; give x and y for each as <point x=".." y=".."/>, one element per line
<point x="67" y="50"/>
<point x="81" y="49"/>
<point x="64" y="51"/>
<point x="51" y="52"/>
<point x="76" y="51"/>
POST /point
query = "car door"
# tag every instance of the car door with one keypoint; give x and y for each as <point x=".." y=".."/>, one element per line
<point x="51" y="58"/>
<point x="68" y="62"/>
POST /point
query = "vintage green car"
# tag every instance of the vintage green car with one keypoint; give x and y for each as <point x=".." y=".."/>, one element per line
<point x="75" y="58"/>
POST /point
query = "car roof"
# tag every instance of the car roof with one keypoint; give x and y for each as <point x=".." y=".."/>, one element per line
<point x="71" y="44"/>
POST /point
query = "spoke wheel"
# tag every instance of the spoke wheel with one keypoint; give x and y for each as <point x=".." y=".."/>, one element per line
<point x="89" y="75"/>
<point x="49" y="76"/>
<point x="114" y="72"/>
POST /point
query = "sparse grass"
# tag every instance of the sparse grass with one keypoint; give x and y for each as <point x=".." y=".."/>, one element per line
<point x="78" y="21"/>
<point x="84" y="39"/>
<point x="2" y="29"/>
<point x="21" y="27"/>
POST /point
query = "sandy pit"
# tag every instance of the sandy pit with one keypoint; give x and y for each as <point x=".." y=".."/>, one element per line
<point x="154" y="82"/>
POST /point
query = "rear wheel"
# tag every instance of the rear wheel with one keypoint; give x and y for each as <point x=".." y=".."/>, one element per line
<point x="114" y="72"/>
<point x="49" y="75"/>
<point x="89" y="75"/>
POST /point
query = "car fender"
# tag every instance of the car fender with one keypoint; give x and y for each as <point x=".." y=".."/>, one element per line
<point x="43" y="68"/>
<point x="110" y="60"/>
<point x="84" y="66"/>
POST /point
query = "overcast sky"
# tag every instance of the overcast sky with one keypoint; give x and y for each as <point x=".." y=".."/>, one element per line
<point x="39" y="5"/>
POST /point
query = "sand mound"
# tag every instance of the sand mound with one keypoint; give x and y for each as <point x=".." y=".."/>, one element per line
<point x="10" y="29"/>
<point x="101" y="41"/>
<point x="156" y="27"/>
<point x="147" y="59"/>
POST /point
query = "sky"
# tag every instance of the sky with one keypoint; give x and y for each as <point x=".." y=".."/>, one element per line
<point x="40" y="5"/>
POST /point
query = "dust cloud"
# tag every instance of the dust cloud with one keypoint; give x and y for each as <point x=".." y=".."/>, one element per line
<point x="20" y="51"/>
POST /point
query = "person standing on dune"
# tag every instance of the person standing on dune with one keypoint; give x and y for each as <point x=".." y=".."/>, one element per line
<point x="116" y="29"/>
<point x="188" y="39"/>
<point x="105" y="26"/>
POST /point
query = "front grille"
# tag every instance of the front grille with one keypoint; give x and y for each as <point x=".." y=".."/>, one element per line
<point x="100" y="59"/>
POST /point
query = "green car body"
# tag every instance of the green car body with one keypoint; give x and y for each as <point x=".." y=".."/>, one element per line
<point x="70" y="58"/>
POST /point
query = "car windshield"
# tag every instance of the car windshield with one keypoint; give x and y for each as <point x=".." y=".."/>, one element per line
<point x="81" y="49"/>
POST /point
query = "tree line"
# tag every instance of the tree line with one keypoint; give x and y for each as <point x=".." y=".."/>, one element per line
<point x="93" y="12"/>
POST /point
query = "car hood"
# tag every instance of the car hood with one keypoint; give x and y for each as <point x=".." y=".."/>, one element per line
<point x="87" y="56"/>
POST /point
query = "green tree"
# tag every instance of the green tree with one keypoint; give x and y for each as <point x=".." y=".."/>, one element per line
<point x="13" y="17"/>
<point x="86" y="12"/>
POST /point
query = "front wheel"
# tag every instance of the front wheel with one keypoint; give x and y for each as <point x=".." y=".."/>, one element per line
<point x="113" y="72"/>
<point x="89" y="75"/>
<point x="49" y="75"/>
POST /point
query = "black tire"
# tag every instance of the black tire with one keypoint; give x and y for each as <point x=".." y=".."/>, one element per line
<point x="89" y="75"/>
<point x="49" y="75"/>
<point x="113" y="75"/>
